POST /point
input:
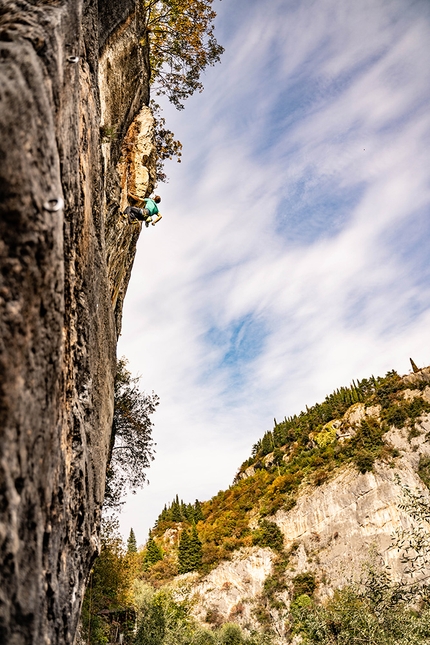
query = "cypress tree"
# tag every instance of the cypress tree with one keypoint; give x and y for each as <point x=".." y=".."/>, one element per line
<point x="131" y="542"/>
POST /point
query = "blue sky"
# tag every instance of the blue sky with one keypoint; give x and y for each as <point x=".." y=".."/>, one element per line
<point x="293" y="254"/>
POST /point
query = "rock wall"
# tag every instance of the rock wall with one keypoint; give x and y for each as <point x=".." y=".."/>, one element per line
<point x="74" y="83"/>
<point x="332" y="531"/>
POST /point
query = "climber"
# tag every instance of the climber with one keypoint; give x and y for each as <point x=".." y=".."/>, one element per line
<point x="145" y="214"/>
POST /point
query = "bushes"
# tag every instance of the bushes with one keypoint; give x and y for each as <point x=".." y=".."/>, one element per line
<point x="167" y="621"/>
<point x="364" y="460"/>
<point x="352" y="619"/>
<point x="424" y="470"/>
<point x="304" y="584"/>
<point x="268" y="535"/>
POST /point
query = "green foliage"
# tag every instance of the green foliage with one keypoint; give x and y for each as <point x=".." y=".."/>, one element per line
<point x="364" y="460"/>
<point x="152" y="627"/>
<point x="352" y="618"/>
<point x="268" y="534"/>
<point x="396" y="416"/>
<point x="132" y="448"/>
<point x="109" y="592"/>
<point x="153" y="552"/>
<point x="326" y="436"/>
<point x="297" y="428"/>
<point x="165" y="617"/>
<point x="414" y="366"/>
<point x="304" y="584"/>
<point x="424" y="470"/>
<point x="189" y="551"/>
<point x="182" y="44"/>
<point x="166" y="145"/>
<point x="177" y="511"/>
<point x="131" y="542"/>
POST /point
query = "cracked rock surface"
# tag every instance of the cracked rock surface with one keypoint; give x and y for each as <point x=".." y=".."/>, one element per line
<point x="65" y="260"/>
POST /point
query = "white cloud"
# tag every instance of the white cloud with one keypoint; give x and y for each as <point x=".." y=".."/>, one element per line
<point x="307" y="150"/>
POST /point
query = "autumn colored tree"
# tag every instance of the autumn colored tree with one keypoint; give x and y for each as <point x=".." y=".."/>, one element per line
<point x="165" y="143"/>
<point x="182" y="44"/>
<point x="109" y="590"/>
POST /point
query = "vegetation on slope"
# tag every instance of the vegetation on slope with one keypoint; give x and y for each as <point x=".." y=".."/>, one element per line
<point x="303" y="450"/>
<point x="376" y="610"/>
<point x="129" y="587"/>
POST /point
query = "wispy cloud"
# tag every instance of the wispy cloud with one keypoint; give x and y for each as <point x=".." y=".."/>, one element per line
<point x="293" y="255"/>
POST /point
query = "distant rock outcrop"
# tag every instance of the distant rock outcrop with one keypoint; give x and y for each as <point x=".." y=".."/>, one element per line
<point x="331" y="532"/>
<point x="75" y="134"/>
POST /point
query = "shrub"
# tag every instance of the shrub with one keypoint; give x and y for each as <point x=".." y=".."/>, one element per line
<point x="396" y="416"/>
<point x="304" y="584"/>
<point x="268" y="535"/>
<point x="230" y="634"/>
<point x="320" y="476"/>
<point x="326" y="436"/>
<point x="364" y="460"/>
<point x="424" y="470"/>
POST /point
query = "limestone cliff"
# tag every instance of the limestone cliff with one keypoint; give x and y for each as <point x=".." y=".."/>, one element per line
<point x="75" y="134"/>
<point x="332" y="530"/>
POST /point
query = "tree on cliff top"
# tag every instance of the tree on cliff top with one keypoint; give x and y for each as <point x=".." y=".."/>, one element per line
<point x="132" y="448"/>
<point x="182" y="44"/>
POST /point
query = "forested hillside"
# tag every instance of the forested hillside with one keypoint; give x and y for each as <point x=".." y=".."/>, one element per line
<point x="213" y="542"/>
<point x="305" y="449"/>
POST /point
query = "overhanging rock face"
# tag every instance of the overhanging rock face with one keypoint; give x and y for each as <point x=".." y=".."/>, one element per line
<point x="65" y="256"/>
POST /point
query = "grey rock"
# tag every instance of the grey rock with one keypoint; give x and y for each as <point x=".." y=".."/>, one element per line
<point x="58" y="320"/>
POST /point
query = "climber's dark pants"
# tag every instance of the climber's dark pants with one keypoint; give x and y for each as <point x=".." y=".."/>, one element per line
<point x="140" y="213"/>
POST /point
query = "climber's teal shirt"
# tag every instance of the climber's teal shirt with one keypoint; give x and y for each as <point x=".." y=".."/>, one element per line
<point x="151" y="206"/>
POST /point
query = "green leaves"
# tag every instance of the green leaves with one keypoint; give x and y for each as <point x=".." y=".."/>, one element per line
<point x="268" y="535"/>
<point x="132" y="448"/>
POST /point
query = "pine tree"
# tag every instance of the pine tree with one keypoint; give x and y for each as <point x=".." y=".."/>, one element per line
<point x="198" y="513"/>
<point x="131" y="542"/>
<point x="153" y="552"/>
<point x="190" y="551"/>
<point x="184" y="552"/>
<point x="196" y="552"/>
<point x="176" y="515"/>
